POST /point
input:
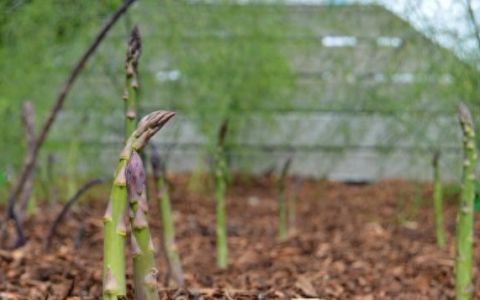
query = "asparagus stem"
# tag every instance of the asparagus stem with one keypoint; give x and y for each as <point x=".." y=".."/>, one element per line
<point x="220" y="176"/>
<point x="282" y="205"/>
<point x="131" y="83"/>
<point x="465" y="216"/>
<point x="220" y="189"/>
<point x="114" y="237"/>
<point x="142" y="245"/>
<point x="72" y="166"/>
<point x="114" y="220"/>
<point x="437" y="201"/>
<point x="161" y="191"/>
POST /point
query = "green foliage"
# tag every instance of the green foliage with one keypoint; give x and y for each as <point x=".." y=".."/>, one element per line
<point x="231" y="68"/>
<point x="242" y="63"/>
<point x="39" y="41"/>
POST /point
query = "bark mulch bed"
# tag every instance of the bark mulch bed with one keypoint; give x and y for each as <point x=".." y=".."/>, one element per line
<point x="351" y="242"/>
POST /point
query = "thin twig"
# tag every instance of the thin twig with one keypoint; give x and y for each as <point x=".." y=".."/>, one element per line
<point x="53" y="228"/>
<point x="473" y="21"/>
<point x="31" y="158"/>
<point x="28" y="120"/>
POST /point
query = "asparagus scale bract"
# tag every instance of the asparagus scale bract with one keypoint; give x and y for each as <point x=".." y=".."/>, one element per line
<point x="114" y="219"/>
<point x="464" y="258"/>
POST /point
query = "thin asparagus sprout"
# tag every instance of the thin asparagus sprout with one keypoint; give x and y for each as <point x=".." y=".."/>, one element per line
<point x="220" y="190"/>
<point x="292" y="202"/>
<point x="465" y="216"/>
<point x="282" y="205"/>
<point x="161" y="192"/>
<point x="438" y="201"/>
<point x="132" y="83"/>
<point x="114" y="219"/>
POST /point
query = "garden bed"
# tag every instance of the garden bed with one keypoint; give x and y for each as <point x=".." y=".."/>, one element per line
<point x="352" y="242"/>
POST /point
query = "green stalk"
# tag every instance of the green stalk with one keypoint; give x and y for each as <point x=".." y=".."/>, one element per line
<point x="114" y="237"/>
<point x="465" y="216"/>
<point x="72" y="166"/>
<point x="142" y="244"/>
<point x="131" y="83"/>
<point x="114" y="219"/>
<point x="220" y="189"/>
<point x="161" y="192"/>
<point x="438" y="201"/>
<point x="282" y="205"/>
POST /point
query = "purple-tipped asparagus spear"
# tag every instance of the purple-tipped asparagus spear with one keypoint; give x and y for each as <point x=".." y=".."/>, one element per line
<point x="114" y="219"/>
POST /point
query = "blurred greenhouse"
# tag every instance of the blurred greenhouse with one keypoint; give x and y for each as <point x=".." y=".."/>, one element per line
<point x="350" y="91"/>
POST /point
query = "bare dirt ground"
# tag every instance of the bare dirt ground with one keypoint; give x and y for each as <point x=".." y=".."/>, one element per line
<point x="351" y="242"/>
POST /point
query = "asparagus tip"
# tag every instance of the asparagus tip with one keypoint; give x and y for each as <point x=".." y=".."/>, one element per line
<point x="464" y="115"/>
<point x="134" y="45"/>
<point x="149" y="125"/>
<point x="133" y="52"/>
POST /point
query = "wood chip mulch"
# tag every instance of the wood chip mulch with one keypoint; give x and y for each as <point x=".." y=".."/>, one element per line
<point x="359" y="242"/>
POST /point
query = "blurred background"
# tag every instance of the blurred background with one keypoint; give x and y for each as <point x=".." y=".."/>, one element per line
<point x="350" y="90"/>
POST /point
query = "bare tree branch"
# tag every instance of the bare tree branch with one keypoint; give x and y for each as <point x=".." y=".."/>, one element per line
<point x="66" y="207"/>
<point x="473" y="21"/>
<point x="28" y="120"/>
<point x="31" y="158"/>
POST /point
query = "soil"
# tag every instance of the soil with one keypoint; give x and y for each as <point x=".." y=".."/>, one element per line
<point x="361" y="242"/>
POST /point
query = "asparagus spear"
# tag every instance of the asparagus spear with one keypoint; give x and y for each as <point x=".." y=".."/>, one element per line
<point x="132" y="83"/>
<point x="220" y="190"/>
<point x="437" y="201"/>
<point x="114" y="219"/>
<point x="282" y="204"/>
<point x="162" y="194"/>
<point x="465" y="216"/>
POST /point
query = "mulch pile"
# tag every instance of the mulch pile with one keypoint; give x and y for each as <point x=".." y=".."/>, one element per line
<point x="351" y="242"/>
